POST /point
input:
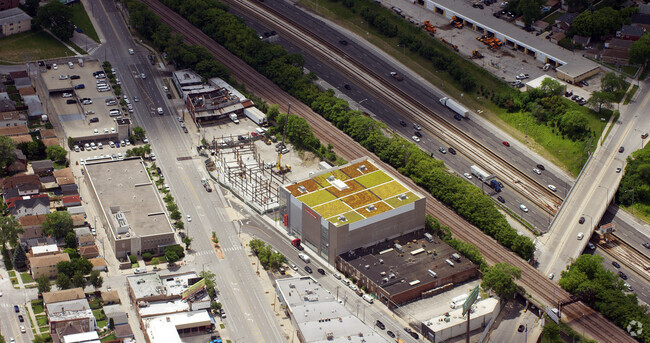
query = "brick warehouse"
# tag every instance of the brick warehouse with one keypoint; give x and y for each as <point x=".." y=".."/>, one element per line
<point x="407" y="268"/>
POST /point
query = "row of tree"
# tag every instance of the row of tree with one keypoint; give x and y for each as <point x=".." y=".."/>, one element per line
<point x="269" y="258"/>
<point x="602" y="22"/>
<point x="603" y="290"/>
<point x="286" y="71"/>
<point x="635" y="184"/>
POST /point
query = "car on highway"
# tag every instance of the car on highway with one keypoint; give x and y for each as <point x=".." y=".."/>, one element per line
<point x="521" y="328"/>
<point x="452" y="151"/>
<point x="346" y="86"/>
<point x="501" y="199"/>
<point x="22" y="329"/>
<point x="131" y="52"/>
<point x="403" y="123"/>
<point x="189" y="218"/>
<point x="541" y="167"/>
<point x="16" y="308"/>
<point x="537" y="171"/>
<point x="621" y="149"/>
<point x="581" y="220"/>
<point x="458" y="117"/>
<point x="618" y="170"/>
<point x="468" y="176"/>
<point x="615" y="264"/>
<point x="20" y="318"/>
<point x="343" y="42"/>
<point x="143" y="76"/>
<point x="646" y="245"/>
<point x="523" y="208"/>
<point x="442" y="150"/>
<point x="380" y="325"/>
<point x="416" y="138"/>
<point x="12" y="340"/>
<point x="553" y="188"/>
<point x="622" y="275"/>
<point x="390" y="334"/>
<point x="580" y="236"/>
<point x="337" y="276"/>
<point x="417" y="127"/>
<point x="418" y="133"/>
<point x="505" y="143"/>
<point x="308" y="269"/>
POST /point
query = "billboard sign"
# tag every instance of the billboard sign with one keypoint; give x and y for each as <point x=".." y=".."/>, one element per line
<point x="193" y="289"/>
<point x="471" y="299"/>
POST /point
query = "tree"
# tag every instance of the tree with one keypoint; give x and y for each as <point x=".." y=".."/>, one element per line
<point x="640" y="50"/>
<point x="500" y="279"/>
<point x="180" y="225"/>
<point x="138" y="133"/>
<point x="20" y="258"/>
<point x="612" y="82"/>
<point x="599" y="99"/>
<point x="574" y="124"/>
<point x="215" y="239"/>
<point x="7" y="147"/>
<point x="57" y="18"/>
<point x="63" y="281"/>
<point x="215" y="306"/>
<point x="209" y="277"/>
<point x="95" y="279"/>
<point x="173" y="253"/>
<point x="188" y="241"/>
<point x="43" y="284"/>
<point x="175" y="215"/>
<point x="31" y="7"/>
<point x="38" y="339"/>
<point x="111" y="323"/>
<point x="551" y="87"/>
<point x="58" y="224"/>
<point x="56" y="153"/>
<point x="71" y="240"/>
<point x="530" y="9"/>
<point x="78" y="280"/>
<point x="9" y="230"/>
<point x="34" y="150"/>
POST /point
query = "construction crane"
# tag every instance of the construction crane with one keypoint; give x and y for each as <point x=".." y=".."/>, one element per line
<point x="279" y="168"/>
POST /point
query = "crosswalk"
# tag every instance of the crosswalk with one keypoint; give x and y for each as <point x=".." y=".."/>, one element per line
<point x="234" y="248"/>
<point x="7" y="305"/>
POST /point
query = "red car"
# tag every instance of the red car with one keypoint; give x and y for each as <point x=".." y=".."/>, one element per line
<point x="254" y="134"/>
<point x="506" y="143"/>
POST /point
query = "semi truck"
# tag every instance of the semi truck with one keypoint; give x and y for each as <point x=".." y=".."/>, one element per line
<point x="296" y="243"/>
<point x="486" y="178"/>
<point x="455" y="106"/>
<point x="257" y="116"/>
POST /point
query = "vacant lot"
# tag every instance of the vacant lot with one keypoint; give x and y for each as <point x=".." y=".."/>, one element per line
<point x="81" y="20"/>
<point x="31" y="46"/>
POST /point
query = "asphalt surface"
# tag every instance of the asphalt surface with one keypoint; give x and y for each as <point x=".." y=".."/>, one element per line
<point x="9" y="324"/>
<point x="424" y="93"/>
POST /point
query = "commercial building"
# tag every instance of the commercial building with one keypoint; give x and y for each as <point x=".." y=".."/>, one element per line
<point x="169" y="328"/>
<point x="355" y="205"/>
<point x="46" y="265"/>
<point x="13" y="21"/>
<point x="120" y="187"/>
<point x="151" y="287"/>
<point x="318" y="316"/>
<point x="406" y="268"/>
<point x="453" y="323"/>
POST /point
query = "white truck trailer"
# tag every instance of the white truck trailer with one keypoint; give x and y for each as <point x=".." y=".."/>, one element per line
<point x="257" y="116"/>
<point x="480" y="173"/>
<point x="455" y="106"/>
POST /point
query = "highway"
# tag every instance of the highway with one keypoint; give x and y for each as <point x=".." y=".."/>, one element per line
<point x="249" y="315"/>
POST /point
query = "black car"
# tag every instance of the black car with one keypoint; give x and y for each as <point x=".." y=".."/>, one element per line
<point x="646" y="245"/>
<point x="621" y="149"/>
<point x="16" y="308"/>
<point x="241" y="138"/>
<point x="615" y="264"/>
<point x="321" y="271"/>
<point x="541" y="167"/>
<point x="169" y="96"/>
<point x="521" y="328"/>
<point x="458" y="117"/>
<point x="343" y="42"/>
<point x="414" y="335"/>
<point x="452" y="151"/>
<point x="582" y="220"/>
<point x="182" y="234"/>
<point x="380" y="325"/>
<point x="94" y="120"/>
<point x="20" y="318"/>
<point x="347" y="86"/>
<point x="390" y="334"/>
<point x="71" y="101"/>
<point x="622" y="275"/>
<point x="417" y="133"/>
<point x="74" y="77"/>
<point x="501" y="199"/>
<point x="403" y="123"/>
<point x="308" y="270"/>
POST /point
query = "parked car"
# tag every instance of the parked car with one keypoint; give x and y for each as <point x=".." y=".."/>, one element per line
<point x="380" y="325"/>
<point x="615" y="264"/>
<point x="308" y="269"/>
<point x="581" y="220"/>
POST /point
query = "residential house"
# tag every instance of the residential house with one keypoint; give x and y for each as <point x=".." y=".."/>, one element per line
<point x="50" y="141"/>
<point x="99" y="264"/>
<point x="630" y="32"/>
<point x="26" y="184"/>
<point x="71" y="200"/>
<point x="123" y="331"/>
<point x="20" y="163"/>
<point x="33" y="226"/>
<point x="64" y="314"/>
<point x="44" y="250"/>
<point x="63" y="295"/>
<point x="48" y="133"/>
<point x="540" y="26"/>
<point x="620" y="44"/>
<point x="86" y="240"/>
<point x="43" y="167"/>
<point x="115" y="312"/>
<point x="11" y="131"/>
<point x="642" y="20"/>
<point x="581" y="41"/>
<point x="6" y="104"/>
<point x="48" y="182"/>
<point x="110" y="297"/>
<point x="34" y="106"/>
<point x="615" y="56"/>
<point x="7" y="4"/>
<point x="13" y="21"/>
<point x="557" y="37"/>
<point x="27" y="91"/>
<point x="69" y="189"/>
<point x="29" y="205"/>
<point x="35" y="242"/>
<point x="13" y="118"/>
<point x="644" y="8"/>
<point x="64" y="176"/>
<point x="82" y="231"/>
<point x="78" y="220"/>
<point x="22" y="138"/>
<point x="90" y="251"/>
<point x="21" y="79"/>
<point x="46" y="265"/>
<point x="564" y="22"/>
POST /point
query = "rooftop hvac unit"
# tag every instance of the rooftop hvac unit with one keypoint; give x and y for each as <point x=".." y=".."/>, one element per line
<point x="381" y="261"/>
<point x="342" y="218"/>
<point x="429" y="237"/>
<point x="331" y="178"/>
<point x="456" y="257"/>
<point x="398" y="247"/>
<point x="371" y="208"/>
<point x="384" y="280"/>
<point x="382" y="273"/>
<point x="391" y="275"/>
<point x="402" y="197"/>
<point x="367" y="266"/>
<point x="362" y="168"/>
<point x="302" y="189"/>
<point x="449" y="262"/>
<point x="432" y="273"/>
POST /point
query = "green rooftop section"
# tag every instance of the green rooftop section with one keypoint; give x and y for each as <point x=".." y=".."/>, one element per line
<point x="332" y="208"/>
<point x="373" y="179"/>
<point x="389" y="190"/>
<point x="322" y="179"/>
<point x="396" y="202"/>
<point x="317" y="198"/>
<point x="350" y="217"/>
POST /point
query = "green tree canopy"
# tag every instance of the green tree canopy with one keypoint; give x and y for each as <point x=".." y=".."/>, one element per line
<point x="20" y="258"/>
<point x="188" y="242"/>
<point x="640" y="50"/>
<point x="530" y="10"/>
<point x="600" y="99"/>
<point x="574" y="124"/>
<point x="7" y="147"/>
<point x="551" y="87"/>
<point x="139" y="133"/>
<point x="56" y="17"/>
<point x="56" y="153"/>
<point x="613" y="82"/>
<point x="9" y="230"/>
<point x="43" y="284"/>
<point x="174" y="253"/>
<point x="500" y="279"/>
<point x="34" y="150"/>
<point x="96" y="279"/>
<point x="78" y="280"/>
<point x="71" y="240"/>
<point x="58" y="224"/>
<point x="63" y="281"/>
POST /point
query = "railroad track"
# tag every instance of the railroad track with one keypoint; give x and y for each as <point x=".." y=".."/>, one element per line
<point x="404" y="103"/>
<point x="595" y="325"/>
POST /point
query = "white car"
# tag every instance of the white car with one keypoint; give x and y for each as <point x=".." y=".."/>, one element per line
<point x="551" y="276"/>
<point x="22" y="329"/>
<point x="468" y="176"/>
<point x="95" y="131"/>
<point x="119" y="155"/>
<point x="152" y="156"/>
<point x="580" y="236"/>
<point x="131" y="52"/>
<point x="135" y="98"/>
<point x="143" y="76"/>
<point x="63" y="77"/>
<point x="140" y="270"/>
<point x="553" y="188"/>
<point x="127" y="142"/>
<point x="55" y="67"/>
<point x="189" y="219"/>
<point x="112" y="144"/>
<point x="112" y="130"/>
<point x="100" y="145"/>
<point x="0" y="294"/>
<point x="337" y="276"/>
<point x="416" y="138"/>
<point x="67" y="95"/>
<point x="523" y="208"/>
<point x="294" y="267"/>
<point x="537" y="171"/>
<point x="145" y="140"/>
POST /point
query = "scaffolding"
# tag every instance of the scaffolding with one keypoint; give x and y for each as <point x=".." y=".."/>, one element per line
<point x="239" y="167"/>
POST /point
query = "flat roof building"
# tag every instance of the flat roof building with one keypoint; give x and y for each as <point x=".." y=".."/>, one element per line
<point x="453" y="323"/>
<point x="118" y="187"/>
<point x="352" y="206"/>
<point x="169" y="328"/>
<point x="318" y="316"/>
<point x="406" y="268"/>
